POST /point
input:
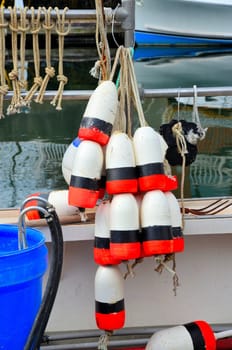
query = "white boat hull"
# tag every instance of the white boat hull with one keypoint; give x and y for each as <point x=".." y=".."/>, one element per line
<point x="183" y="21"/>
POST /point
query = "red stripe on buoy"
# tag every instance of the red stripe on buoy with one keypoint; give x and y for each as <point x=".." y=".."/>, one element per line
<point x="157" y="182"/>
<point x="104" y="257"/>
<point x="125" y="251"/>
<point x="110" y="321"/>
<point x="178" y="245"/>
<point x="93" y="134"/>
<point x="207" y="332"/>
<point x="122" y="186"/>
<point x="82" y="197"/>
<point x="157" y="247"/>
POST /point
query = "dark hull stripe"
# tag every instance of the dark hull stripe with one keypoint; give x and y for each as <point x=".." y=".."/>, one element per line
<point x="84" y="182"/>
<point x="150" y="169"/>
<point x="153" y="233"/>
<point x="125" y="173"/>
<point x="196" y="335"/>
<point x="130" y="236"/>
<point x="90" y="123"/>
<point x="105" y="308"/>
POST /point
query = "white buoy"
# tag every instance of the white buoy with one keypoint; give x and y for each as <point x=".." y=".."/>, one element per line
<point x="101" y="251"/>
<point x="124" y="227"/>
<point x="156" y="224"/>
<point x="176" y="220"/>
<point x="149" y="155"/>
<point x="86" y="174"/>
<point x="197" y="335"/>
<point x="100" y="113"/>
<point x="120" y="165"/>
<point x="109" y="298"/>
<point x="68" y="159"/>
<point x="58" y="199"/>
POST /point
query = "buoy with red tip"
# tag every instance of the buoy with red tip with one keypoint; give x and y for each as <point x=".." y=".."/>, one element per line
<point x="176" y="220"/>
<point x="156" y="224"/>
<point x="149" y="155"/>
<point x="68" y="159"/>
<point x="86" y="174"/>
<point x="58" y="199"/>
<point x="124" y="227"/>
<point x="100" y="113"/>
<point x="196" y="335"/>
<point x="101" y="251"/>
<point x="121" y="174"/>
<point x="109" y="298"/>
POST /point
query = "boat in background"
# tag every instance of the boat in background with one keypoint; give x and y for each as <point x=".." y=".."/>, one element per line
<point x="183" y="22"/>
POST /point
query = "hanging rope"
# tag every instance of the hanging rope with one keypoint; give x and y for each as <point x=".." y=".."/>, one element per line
<point x="23" y="29"/>
<point x="48" y="25"/>
<point x="17" y="100"/>
<point x="35" y="28"/>
<point x="4" y="86"/>
<point x="62" y="79"/>
<point x="102" y="67"/>
<point x="182" y="149"/>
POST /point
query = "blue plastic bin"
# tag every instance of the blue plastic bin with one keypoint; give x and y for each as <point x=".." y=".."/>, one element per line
<point x="21" y="274"/>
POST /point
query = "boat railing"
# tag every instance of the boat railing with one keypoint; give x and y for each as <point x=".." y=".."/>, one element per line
<point x="144" y="93"/>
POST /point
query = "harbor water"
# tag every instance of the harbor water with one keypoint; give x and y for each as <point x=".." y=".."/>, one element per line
<point x="32" y="144"/>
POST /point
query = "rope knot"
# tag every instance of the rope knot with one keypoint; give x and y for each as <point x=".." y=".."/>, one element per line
<point x="4" y="89"/>
<point x="13" y="75"/>
<point x="38" y="81"/>
<point x="50" y="71"/>
<point x="62" y="78"/>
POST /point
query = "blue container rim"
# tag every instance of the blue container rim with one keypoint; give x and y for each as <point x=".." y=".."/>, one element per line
<point x="35" y="237"/>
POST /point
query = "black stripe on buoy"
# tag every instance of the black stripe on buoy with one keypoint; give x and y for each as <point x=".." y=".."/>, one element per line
<point x="129" y="236"/>
<point x="177" y="232"/>
<point x="90" y="123"/>
<point x="84" y="182"/>
<point x="150" y="169"/>
<point x="196" y="335"/>
<point x="121" y="173"/>
<point x="153" y="233"/>
<point x="105" y="308"/>
<point x="101" y="242"/>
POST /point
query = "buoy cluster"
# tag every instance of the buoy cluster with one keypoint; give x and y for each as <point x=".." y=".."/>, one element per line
<point x="124" y="177"/>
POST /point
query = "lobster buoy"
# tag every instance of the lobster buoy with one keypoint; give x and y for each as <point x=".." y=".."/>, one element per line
<point x="196" y="335"/>
<point x="101" y="251"/>
<point x="176" y="220"/>
<point x="121" y="174"/>
<point x="68" y="159"/>
<point x="109" y="298"/>
<point x="156" y="224"/>
<point x="149" y="155"/>
<point x="58" y="199"/>
<point x="86" y="174"/>
<point x="124" y="227"/>
<point x="100" y="113"/>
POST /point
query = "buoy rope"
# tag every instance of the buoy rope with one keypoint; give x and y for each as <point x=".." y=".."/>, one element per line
<point x="104" y="340"/>
<point x="35" y="28"/>
<point x="17" y="100"/>
<point x="23" y="29"/>
<point x="4" y="87"/>
<point x="102" y="44"/>
<point x="162" y="264"/>
<point x="195" y="115"/>
<point x="62" y="79"/>
<point x="48" y="25"/>
<point x="182" y="149"/>
<point x="135" y="90"/>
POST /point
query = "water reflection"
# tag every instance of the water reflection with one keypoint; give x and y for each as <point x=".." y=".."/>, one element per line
<point x="32" y="145"/>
